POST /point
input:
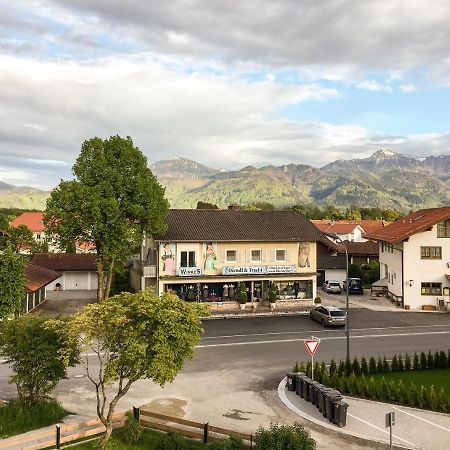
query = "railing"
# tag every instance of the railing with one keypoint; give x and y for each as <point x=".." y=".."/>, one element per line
<point x="379" y="290"/>
<point x="398" y="299"/>
<point x="145" y="270"/>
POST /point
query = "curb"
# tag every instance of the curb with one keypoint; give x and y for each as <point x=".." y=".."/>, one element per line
<point x="255" y="315"/>
<point x="283" y="397"/>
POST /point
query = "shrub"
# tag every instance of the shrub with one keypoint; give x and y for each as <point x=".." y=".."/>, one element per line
<point x="414" y="393"/>
<point x="273" y="294"/>
<point x="441" y="401"/>
<point x="437" y="361"/>
<point x="347" y="367"/>
<point x="416" y="362"/>
<point x="356" y="368"/>
<point x="372" y="365"/>
<point x="288" y="437"/>
<point x="442" y="360"/>
<point x="432" y="399"/>
<point x="407" y="363"/>
<point x="308" y="369"/>
<point x="296" y="367"/>
<point x="302" y="367"/>
<point x="386" y="366"/>
<point x="317" y="300"/>
<point x="333" y="368"/>
<point x="242" y="295"/>
<point x="423" y="361"/>
<point x="317" y="373"/>
<point x="232" y="443"/>
<point x="430" y="361"/>
<point x="380" y="368"/>
<point x="132" y="429"/>
<point x="364" y="366"/>
<point x="341" y="369"/>
<point x="401" y="364"/>
<point x="171" y="441"/>
<point x="393" y="392"/>
<point x="448" y="358"/>
<point x="394" y="364"/>
<point x="323" y="370"/>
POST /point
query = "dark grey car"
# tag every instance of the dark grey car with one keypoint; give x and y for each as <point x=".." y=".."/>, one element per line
<point x="328" y="316"/>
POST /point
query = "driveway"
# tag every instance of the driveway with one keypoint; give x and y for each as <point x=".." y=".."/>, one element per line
<point x="66" y="307"/>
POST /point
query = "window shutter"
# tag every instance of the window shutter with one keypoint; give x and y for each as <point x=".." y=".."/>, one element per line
<point x="274" y="255"/>
<point x="222" y="256"/>
<point x="238" y="256"/>
<point x="248" y="254"/>
<point x="263" y="256"/>
<point x="288" y="255"/>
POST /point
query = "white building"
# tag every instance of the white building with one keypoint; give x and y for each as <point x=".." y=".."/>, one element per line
<point x="415" y="259"/>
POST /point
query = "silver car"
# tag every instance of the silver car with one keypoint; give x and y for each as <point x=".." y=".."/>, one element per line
<point x="332" y="286"/>
<point x="328" y="316"/>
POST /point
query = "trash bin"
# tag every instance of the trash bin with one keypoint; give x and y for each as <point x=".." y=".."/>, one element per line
<point x="321" y="399"/>
<point x="313" y="392"/>
<point x="290" y="381"/>
<point x="340" y="413"/>
<point x="299" y="383"/>
<point x="306" y="389"/>
<point x="331" y="397"/>
<point x="317" y="391"/>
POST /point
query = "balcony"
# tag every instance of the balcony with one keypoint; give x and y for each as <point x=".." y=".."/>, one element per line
<point x="145" y="270"/>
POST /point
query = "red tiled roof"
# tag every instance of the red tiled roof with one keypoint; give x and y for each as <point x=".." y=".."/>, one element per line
<point x="413" y="223"/>
<point x="38" y="277"/>
<point x="334" y="227"/>
<point x="66" y="261"/>
<point x="33" y="220"/>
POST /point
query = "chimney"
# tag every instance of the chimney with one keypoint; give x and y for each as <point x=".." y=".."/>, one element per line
<point x="233" y="207"/>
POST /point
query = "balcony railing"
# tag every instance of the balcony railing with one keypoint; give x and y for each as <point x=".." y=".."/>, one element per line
<point x="145" y="270"/>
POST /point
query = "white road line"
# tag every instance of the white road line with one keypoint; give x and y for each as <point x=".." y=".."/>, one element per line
<point x="420" y="418"/>
<point x="320" y="331"/>
<point x="280" y="341"/>
<point x="380" y="429"/>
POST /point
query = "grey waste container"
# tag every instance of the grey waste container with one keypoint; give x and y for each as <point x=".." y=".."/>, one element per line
<point x="317" y="392"/>
<point x="299" y="383"/>
<point x="313" y="392"/>
<point x="340" y="413"/>
<point x="332" y="397"/>
<point x="323" y="390"/>
<point x="290" y="381"/>
<point x="306" y="389"/>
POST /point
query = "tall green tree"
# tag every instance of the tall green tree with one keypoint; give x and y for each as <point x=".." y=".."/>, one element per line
<point x="112" y="203"/>
<point x="13" y="282"/>
<point x="135" y="336"/>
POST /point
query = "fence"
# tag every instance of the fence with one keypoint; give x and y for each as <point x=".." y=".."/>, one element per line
<point x="189" y="428"/>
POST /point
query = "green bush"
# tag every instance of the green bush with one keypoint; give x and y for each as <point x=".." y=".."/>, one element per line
<point x="430" y="360"/>
<point x="171" y="441"/>
<point x="317" y="300"/>
<point x="416" y="362"/>
<point x="333" y="368"/>
<point x="442" y="360"/>
<point x="423" y="361"/>
<point x="132" y="429"/>
<point x="407" y="363"/>
<point x="296" y="367"/>
<point x="448" y="358"/>
<point x="356" y="368"/>
<point x="286" y="437"/>
<point x="231" y="443"/>
<point x="380" y="368"/>
<point x="242" y="295"/>
<point x="348" y="367"/>
<point x="364" y="366"/>
<point x="341" y="368"/>
<point x="436" y="360"/>
<point x="394" y="364"/>
<point x="401" y="364"/>
<point x="273" y="293"/>
<point x="372" y="365"/>
<point x="386" y="366"/>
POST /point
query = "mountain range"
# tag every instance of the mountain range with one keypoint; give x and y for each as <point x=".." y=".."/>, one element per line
<point x="386" y="179"/>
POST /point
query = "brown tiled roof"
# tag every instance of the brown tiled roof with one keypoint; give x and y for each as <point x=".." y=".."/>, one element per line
<point x="66" y="261"/>
<point x="413" y="223"/>
<point x="360" y="248"/>
<point x="38" y="277"/>
<point x="33" y="220"/>
<point x="331" y="262"/>
<point x="238" y="225"/>
<point x="347" y="226"/>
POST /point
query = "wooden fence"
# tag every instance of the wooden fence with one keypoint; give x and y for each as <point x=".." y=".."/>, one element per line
<point x="189" y="428"/>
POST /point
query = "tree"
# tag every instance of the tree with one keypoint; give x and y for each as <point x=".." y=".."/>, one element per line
<point x="18" y="238"/>
<point x="39" y="353"/>
<point x="13" y="281"/>
<point x="135" y="336"/>
<point x="113" y="202"/>
<point x="206" y="205"/>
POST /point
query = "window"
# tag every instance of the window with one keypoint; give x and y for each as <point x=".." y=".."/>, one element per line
<point x="388" y="248"/>
<point x="38" y="237"/>
<point x="280" y="255"/>
<point x="187" y="259"/>
<point x="431" y="289"/>
<point x="431" y="252"/>
<point x="256" y="255"/>
<point x="231" y="255"/>
<point x="443" y="229"/>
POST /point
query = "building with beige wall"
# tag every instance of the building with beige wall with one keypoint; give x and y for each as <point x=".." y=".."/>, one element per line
<point x="415" y="259"/>
<point x="205" y="254"/>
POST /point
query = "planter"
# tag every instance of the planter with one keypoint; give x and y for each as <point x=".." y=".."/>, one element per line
<point x="242" y="305"/>
<point x="272" y="305"/>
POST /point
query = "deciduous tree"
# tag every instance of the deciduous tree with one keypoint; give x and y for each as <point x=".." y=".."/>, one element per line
<point x="112" y="203"/>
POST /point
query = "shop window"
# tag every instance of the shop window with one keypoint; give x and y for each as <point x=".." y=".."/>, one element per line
<point x="231" y="255"/>
<point x="187" y="259"/>
<point x="256" y="256"/>
<point x="280" y="255"/>
<point x="431" y="289"/>
<point x="431" y="252"/>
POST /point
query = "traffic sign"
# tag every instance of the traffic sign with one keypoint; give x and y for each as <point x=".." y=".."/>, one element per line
<point x="311" y="345"/>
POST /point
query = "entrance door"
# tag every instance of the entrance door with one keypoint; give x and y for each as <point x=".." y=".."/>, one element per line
<point x="320" y="277"/>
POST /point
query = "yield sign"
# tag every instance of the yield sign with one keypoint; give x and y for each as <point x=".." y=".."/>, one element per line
<point x="311" y="346"/>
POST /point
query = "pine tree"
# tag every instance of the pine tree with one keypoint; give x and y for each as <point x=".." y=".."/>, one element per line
<point x="407" y="363"/>
<point x="364" y="366"/>
<point x="430" y="361"/>
<point x="372" y="389"/>
<point x="423" y="361"/>
<point x="302" y="367"/>
<point x="386" y="366"/>
<point x="296" y="367"/>
<point x="401" y="364"/>
<point x="442" y="360"/>
<point x="356" y="368"/>
<point x="317" y="372"/>
<point x="448" y="358"/>
<point x="416" y="362"/>
<point x="323" y="370"/>
<point x="394" y="364"/>
<point x="379" y="365"/>
<point x="333" y="368"/>
<point x="341" y="368"/>
<point x="308" y="370"/>
<point x="437" y="360"/>
<point x="372" y="366"/>
<point x="348" y="367"/>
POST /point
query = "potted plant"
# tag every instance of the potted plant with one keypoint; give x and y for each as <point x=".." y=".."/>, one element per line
<point x="242" y="296"/>
<point x="317" y="300"/>
<point x="273" y="295"/>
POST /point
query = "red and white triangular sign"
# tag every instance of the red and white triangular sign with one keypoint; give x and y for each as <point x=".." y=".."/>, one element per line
<point x="311" y="346"/>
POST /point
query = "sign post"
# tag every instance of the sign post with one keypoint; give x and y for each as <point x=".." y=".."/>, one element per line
<point x="312" y="345"/>
<point x="390" y="421"/>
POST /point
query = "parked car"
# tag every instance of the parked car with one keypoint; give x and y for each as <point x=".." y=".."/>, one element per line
<point x="328" y="316"/>
<point x="355" y="286"/>
<point x="332" y="286"/>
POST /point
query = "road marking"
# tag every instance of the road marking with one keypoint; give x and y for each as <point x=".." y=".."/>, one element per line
<point x="380" y="429"/>
<point x="320" y="331"/>
<point x="420" y="418"/>
<point x="280" y="341"/>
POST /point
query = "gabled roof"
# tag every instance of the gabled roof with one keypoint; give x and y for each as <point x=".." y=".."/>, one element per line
<point x="331" y="262"/>
<point x="337" y="227"/>
<point x="33" y="220"/>
<point x="360" y="248"/>
<point x="66" y="261"/>
<point x="38" y="277"/>
<point x="413" y="223"/>
<point x="194" y="225"/>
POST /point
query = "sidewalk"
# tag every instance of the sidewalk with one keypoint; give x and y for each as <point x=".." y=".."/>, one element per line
<point x="414" y="428"/>
<point x="259" y="311"/>
<point x="360" y="301"/>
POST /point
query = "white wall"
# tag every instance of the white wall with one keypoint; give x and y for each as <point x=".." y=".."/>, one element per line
<point x="335" y="275"/>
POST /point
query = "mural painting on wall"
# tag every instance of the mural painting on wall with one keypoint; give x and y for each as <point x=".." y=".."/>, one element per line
<point x="304" y="255"/>
<point x="168" y="258"/>
<point x="210" y="256"/>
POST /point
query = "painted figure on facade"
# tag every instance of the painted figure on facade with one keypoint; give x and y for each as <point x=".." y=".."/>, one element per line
<point x="304" y="255"/>
<point x="168" y="258"/>
<point x="210" y="257"/>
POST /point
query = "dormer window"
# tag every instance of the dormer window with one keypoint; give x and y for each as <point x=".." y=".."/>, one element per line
<point x="443" y="229"/>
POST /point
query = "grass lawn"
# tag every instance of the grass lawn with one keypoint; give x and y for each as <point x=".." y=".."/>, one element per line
<point x="435" y="377"/>
<point x="17" y="417"/>
<point x="148" y="441"/>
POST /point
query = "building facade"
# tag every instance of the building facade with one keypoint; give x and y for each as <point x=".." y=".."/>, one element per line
<point x="205" y="254"/>
<point x="415" y="259"/>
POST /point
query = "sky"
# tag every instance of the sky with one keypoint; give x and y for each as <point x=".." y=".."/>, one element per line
<point x="225" y="83"/>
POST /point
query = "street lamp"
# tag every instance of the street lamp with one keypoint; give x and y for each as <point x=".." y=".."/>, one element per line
<point x="347" y="310"/>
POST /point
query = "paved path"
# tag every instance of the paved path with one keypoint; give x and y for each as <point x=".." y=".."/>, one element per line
<point x="414" y="428"/>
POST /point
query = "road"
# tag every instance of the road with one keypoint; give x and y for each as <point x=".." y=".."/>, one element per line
<point x="239" y="363"/>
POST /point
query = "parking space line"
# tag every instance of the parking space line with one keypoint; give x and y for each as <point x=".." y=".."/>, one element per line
<point x="420" y="418"/>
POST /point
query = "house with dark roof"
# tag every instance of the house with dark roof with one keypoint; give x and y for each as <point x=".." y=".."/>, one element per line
<point x="204" y="255"/>
<point x="414" y="254"/>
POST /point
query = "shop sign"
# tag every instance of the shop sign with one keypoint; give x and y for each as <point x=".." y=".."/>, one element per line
<point x="258" y="270"/>
<point x="190" y="271"/>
